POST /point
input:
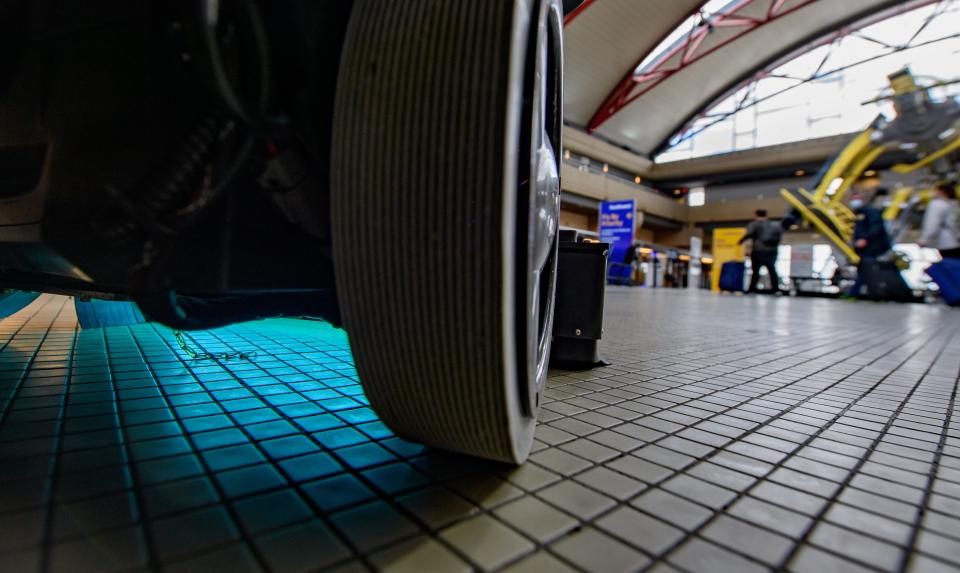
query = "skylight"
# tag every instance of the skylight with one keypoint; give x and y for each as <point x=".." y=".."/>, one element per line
<point x="691" y="24"/>
<point x="820" y="92"/>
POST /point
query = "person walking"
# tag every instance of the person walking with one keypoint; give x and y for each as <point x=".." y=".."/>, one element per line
<point x="940" y="222"/>
<point x="870" y="237"/>
<point x="765" y="236"/>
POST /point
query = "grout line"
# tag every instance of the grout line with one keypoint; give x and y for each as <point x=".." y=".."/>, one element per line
<point x="910" y="552"/>
<point x="53" y="471"/>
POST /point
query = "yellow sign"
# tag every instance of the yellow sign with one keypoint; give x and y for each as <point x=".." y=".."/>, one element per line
<point x="725" y="250"/>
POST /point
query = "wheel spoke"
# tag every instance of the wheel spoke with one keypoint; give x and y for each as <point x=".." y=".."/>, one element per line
<point x="540" y="90"/>
<point x="547" y="205"/>
<point x="546" y="199"/>
<point x="533" y="317"/>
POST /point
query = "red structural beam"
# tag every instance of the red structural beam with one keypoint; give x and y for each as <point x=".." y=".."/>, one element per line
<point x="579" y="10"/>
<point x="635" y="84"/>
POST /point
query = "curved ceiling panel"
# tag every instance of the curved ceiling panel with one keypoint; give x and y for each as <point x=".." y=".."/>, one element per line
<point x="606" y="40"/>
<point x="652" y="118"/>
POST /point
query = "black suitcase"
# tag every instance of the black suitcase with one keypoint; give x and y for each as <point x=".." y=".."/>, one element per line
<point x="883" y="281"/>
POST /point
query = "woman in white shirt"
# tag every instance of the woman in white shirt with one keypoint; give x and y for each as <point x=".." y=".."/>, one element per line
<point x="940" y="222"/>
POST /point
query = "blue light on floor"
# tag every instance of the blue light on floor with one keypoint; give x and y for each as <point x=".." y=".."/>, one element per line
<point x="124" y="448"/>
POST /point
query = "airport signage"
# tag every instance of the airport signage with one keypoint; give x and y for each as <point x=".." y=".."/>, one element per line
<point x="618" y="226"/>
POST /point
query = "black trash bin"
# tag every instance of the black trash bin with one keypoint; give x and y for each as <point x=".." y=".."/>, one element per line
<point x="578" y="320"/>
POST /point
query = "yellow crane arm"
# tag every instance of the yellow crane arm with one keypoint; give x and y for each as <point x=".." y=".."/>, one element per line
<point x="853" y="156"/>
<point x="942" y="152"/>
<point x="810" y="214"/>
<point x="824" y="208"/>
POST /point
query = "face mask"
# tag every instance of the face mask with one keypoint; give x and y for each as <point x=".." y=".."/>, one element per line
<point x="856" y="204"/>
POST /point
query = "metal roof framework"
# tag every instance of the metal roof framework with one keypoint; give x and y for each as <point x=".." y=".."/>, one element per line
<point x="741" y="19"/>
<point x="627" y="90"/>
<point x="690" y="129"/>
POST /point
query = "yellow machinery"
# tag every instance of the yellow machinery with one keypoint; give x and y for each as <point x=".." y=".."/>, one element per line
<point x="927" y="130"/>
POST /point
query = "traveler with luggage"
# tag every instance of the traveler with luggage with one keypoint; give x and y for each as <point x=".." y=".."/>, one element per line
<point x="765" y="236"/>
<point x="940" y="232"/>
<point x="870" y="238"/>
<point x="940" y="222"/>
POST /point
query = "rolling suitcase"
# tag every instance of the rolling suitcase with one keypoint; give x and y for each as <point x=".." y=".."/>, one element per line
<point x="731" y="276"/>
<point x="946" y="274"/>
<point x="883" y="281"/>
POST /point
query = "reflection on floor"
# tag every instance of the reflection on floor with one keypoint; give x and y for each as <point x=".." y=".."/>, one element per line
<point x="728" y="434"/>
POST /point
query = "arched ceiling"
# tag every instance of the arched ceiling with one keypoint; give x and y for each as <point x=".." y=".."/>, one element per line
<point x="607" y="39"/>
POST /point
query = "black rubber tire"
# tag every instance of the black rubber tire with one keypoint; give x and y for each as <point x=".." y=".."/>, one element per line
<point x="425" y="208"/>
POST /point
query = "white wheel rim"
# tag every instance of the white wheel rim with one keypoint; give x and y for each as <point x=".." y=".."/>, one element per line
<point x="541" y="194"/>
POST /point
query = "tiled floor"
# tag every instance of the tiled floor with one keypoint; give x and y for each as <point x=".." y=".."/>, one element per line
<point x="728" y="434"/>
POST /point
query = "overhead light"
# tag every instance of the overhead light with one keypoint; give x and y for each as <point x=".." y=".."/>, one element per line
<point x="800" y="173"/>
<point x="684" y="257"/>
<point x="606" y="168"/>
<point x="870" y="173"/>
<point x="645" y="251"/>
<point x="566" y="154"/>
<point x="706" y="260"/>
<point x="637" y="179"/>
<point x="677" y="191"/>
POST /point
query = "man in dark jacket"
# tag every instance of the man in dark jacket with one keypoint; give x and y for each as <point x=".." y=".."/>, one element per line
<point x="765" y="236"/>
<point x="870" y="238"/>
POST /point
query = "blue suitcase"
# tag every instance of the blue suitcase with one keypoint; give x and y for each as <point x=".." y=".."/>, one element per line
<point x="946" y="274"/>
<point x="731" y="276"/>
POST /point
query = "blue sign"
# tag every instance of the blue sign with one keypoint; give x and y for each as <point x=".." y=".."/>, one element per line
<point x="618" y="227"/>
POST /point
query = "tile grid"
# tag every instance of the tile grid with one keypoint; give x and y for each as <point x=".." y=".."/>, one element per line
<point x="910" y="553"/>
<point x="58" y="439"/>
<point x="36" y="324"/>
<point x="398" y="506"/>
<point x="248" y="541"/>
<point x="776" y="389"/>
<point x="64" y="497"/>
<point x="359" y="476"/>
<point x="36" y="313"/>
<point x="127" y="454"/>
<point x="688" y="382"/>
<point x="810" y="439"/>
<point x="491" y="513"/>
<point x="220" y="343"/>
<point x="153" y="560"/>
